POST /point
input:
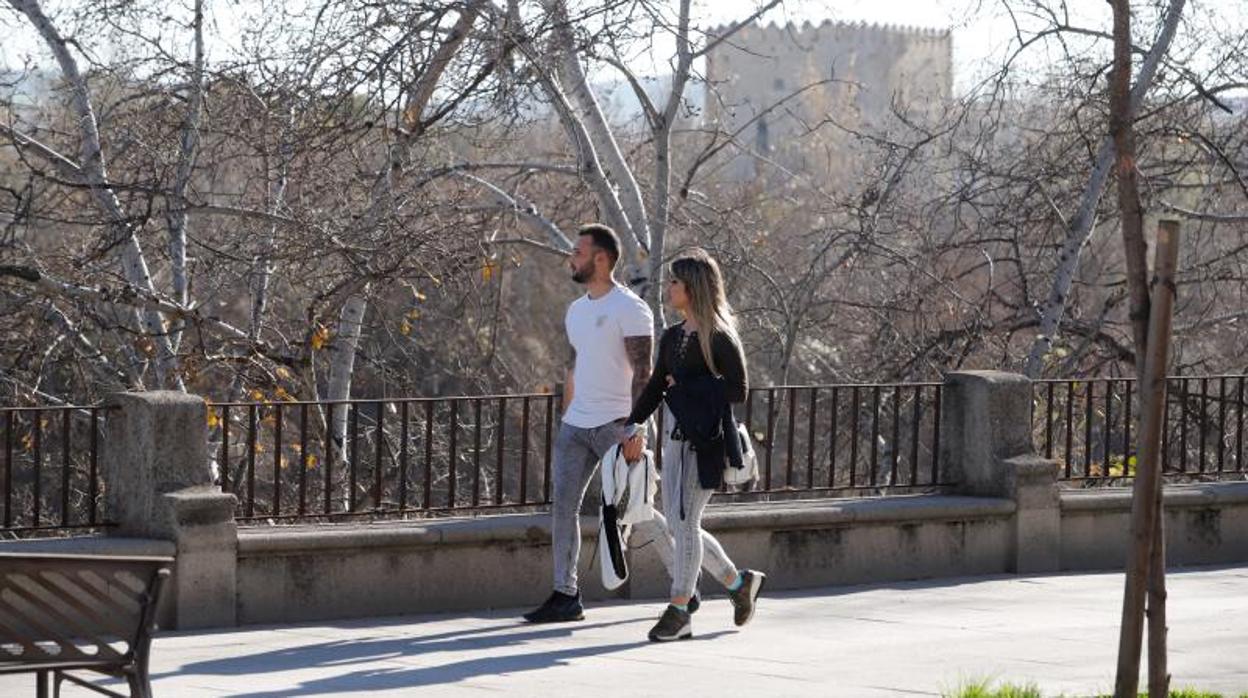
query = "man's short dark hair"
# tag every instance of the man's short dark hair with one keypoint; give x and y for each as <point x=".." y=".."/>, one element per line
<point x="604" y="239"/>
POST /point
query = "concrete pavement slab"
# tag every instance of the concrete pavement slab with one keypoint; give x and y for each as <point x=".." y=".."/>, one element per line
<point x="902" y="639"/>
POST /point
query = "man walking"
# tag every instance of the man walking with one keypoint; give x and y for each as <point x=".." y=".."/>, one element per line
<point x="610" y="330"/>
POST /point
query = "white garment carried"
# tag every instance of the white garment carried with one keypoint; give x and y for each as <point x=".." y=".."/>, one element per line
<point x="748" y="472"/>
<point x="627" y="498"/>
<point x="602" y="378"/>
<point x="632" y="484"/>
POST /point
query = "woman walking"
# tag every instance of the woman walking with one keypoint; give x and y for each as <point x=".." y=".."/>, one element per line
<point x="699" y="374"/>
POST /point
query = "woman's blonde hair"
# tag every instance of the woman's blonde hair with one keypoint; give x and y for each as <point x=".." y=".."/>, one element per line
<point x="708" y="304"/>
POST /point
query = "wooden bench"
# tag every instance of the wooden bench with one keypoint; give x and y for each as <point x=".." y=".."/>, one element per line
<point x="79" y="612"/>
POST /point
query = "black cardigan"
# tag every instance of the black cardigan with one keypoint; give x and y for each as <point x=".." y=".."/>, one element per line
<point x="700" y="401"/>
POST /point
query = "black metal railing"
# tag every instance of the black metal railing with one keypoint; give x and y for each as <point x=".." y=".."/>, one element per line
<point x="846" y="438"/>
<point x="420" y="456"/>
<point x="49" y="469"/>
<point x="308" y="460"/>
<point x="427" y="456"/>
<point x="1088" y="427"/>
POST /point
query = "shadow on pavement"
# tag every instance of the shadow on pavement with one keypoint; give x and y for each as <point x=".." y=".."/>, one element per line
<point x="394" y="678"/>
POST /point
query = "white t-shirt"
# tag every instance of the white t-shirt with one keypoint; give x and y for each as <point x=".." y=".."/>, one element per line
<point x="602" y="378"/>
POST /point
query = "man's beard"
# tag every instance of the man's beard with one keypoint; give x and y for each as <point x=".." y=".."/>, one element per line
<point x="583" y="274"/>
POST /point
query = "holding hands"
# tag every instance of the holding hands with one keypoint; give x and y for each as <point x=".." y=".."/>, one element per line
<point x="634" y="436"/>
<point x="633" y="446"/>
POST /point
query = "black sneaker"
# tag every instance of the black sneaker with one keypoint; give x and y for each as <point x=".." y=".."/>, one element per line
<point x="559" y="608"/>
<point x="674" y="624"/>
<point x="695" y="602"/>
<point x="744" y="598"/>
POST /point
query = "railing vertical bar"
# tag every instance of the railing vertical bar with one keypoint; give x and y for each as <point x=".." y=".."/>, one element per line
<point x="524" y="450"/>
<point x="476" y="453"/>
<point x="329" y="458"/>
<point x="810" y="437"/>
<point x="1221" y="423"/>
<point x="771" y="426"/>
<point x="1204" y="419"/>
<point x="93" y="486"/>
<point x="353" y="464"/>
<point x="1048" y="420"/>
<point x="379" y="459"/>
<point x="1239" y="427"/>
<point x="791" y="393"/>
<point x="65" y="466"/>
<point x="895" y="447"/>
<point x="914" y="435"/>
<point x="427" y="500"/>
<point x="1109" y="428"/>
<point x="873" y="464"/>
<point x="225" y="448"/>
<point x="452" y="457"/>
<point x="404" y="420"/>
<point x="936" y="438"/>
<point x="502" y="438"/>
<point x="1087" y="430"/>
<point x="37" y="425"/>
<point x="1126" y="426"/>
<point x="1070" y="426"/>
<point x="550" y="446"/>
<point x="8" y="469"/>
<point x="250" y="507"/>
<point x="277" y="459"/>
<point x="1165" y="422"/>
<point x="304" y="459"/>
<point x="749" y="415"/>
<point x="856" y="398"/>
<point x="836" y="398"/>
<point x="662" y="434"/>
<point x="1183" y="426"/>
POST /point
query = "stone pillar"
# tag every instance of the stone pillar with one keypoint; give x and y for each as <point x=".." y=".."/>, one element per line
<point x="156" y="471"/>
<point x="986" y="448"/>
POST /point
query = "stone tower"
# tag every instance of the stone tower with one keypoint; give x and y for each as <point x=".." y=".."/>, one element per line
<point x="851" y="78"/>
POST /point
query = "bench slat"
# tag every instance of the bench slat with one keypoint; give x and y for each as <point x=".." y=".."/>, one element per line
<point x="70" y="597"/>
<point x="76" y="634"/>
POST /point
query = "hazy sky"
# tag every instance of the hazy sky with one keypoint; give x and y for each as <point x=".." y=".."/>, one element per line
<point x="971" y="41"/>
<point x="981" y="29"/>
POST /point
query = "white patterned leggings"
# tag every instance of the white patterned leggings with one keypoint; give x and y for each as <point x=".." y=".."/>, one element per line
<point x="681" y="543"/>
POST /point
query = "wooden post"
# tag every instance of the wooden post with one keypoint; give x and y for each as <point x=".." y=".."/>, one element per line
<point x="1158" y="674"/>
<point x="1146" y="496"/>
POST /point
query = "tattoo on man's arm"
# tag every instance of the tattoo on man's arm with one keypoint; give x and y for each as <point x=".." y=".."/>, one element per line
<point x="638" y="350"/>
<point x="571" y="358"/>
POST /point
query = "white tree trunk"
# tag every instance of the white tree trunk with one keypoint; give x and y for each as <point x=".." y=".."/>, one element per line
<point x="95" y="174"/>
<point x="610" y="158"/>
<point x="1081" y="225"/>
<point x="342" y="359"/>
<point x="588" y="161"/>
<point x="176" y="216"/>
<point x="662" y="132"/>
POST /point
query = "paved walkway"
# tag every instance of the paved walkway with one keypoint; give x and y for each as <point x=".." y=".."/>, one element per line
<point x="908" y="639"/>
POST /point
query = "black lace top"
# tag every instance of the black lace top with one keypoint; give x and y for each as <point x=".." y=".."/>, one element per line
<point x="680" y="354"/>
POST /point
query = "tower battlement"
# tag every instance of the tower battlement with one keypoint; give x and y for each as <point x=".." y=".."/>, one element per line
<point x="808" y="31"/>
